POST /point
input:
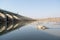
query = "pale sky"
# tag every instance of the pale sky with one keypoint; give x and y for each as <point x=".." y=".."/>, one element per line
<point x="32" y="8"/>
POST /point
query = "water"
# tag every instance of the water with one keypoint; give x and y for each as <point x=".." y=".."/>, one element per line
<point x="31" y="32"/>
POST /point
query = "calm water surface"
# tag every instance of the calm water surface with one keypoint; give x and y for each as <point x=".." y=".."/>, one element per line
<point x="31" y="32"/>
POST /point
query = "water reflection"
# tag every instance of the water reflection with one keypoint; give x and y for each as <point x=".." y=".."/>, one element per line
<point x="10" y="26"/>
<point x="27" y="32"/>
<point x="47" y="25"/>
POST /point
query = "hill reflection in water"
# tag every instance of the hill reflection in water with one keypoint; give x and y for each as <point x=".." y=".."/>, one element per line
<point x="8" y="27"/>
<point x="29" y="32"/>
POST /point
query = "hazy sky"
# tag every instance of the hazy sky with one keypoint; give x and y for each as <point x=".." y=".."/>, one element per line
<point x="32" y="8"/>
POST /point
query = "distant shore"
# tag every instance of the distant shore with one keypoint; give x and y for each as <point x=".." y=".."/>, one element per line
<point x="57" y="19"/>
